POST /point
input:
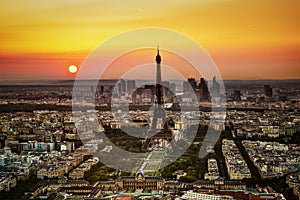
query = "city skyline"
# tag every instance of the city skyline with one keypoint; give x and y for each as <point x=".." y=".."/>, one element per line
<point x="103" y="140"/>
<point x="247" y="40"/>
<point x="150" y="99"/>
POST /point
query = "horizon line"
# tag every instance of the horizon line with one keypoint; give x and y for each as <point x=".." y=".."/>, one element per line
<point x="270" y="79"/>
<point x="52" y="81"/>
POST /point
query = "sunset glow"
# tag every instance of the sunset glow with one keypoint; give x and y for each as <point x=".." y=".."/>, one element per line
<point x="246" y="39"/>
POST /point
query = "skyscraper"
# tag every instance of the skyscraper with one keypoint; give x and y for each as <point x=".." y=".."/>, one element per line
<point x="215" y="88"/>
<point x="185" y="86"/>
<point x="268" y="91"/>
<point x="131" y="85"/>
<point x="120" y="89"/>
<point x="173" y="87"/>
<point x="204" y="93"/>
<point x="123" y="85"/>
<point x="192" y="83"/>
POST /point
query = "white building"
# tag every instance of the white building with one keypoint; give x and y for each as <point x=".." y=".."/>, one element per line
<point x="191" y="195"/>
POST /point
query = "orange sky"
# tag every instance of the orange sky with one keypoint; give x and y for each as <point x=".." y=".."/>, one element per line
<point x="257" y="39"/>
<point x="144" y="65"/>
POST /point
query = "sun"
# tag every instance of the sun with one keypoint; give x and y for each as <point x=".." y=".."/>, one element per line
<point x="72" y="69"/>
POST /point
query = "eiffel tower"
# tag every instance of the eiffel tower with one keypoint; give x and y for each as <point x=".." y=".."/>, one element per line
<point x="159" y="131"/>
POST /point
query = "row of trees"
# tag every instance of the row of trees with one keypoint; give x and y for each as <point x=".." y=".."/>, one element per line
<point x="99" y="172"/>
<point x="123" y="140"/>
<point x="189" y="161"/>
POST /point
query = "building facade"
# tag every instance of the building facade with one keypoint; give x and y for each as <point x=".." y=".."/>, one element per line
<point x="140" y="182"/>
